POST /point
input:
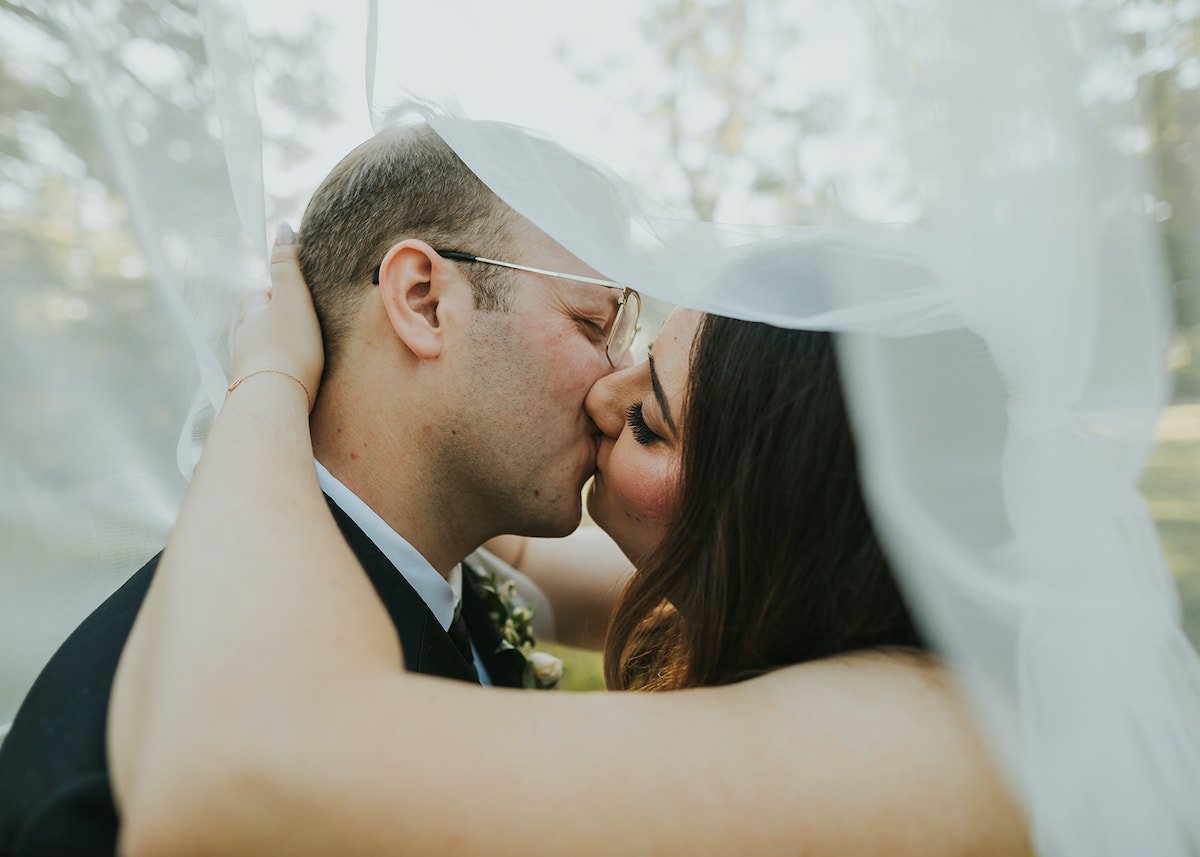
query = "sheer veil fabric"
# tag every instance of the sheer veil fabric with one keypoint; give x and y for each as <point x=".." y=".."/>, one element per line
<point x="1004" y="360"/>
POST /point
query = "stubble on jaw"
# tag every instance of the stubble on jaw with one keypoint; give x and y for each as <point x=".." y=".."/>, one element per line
<point x="483" y="446"/>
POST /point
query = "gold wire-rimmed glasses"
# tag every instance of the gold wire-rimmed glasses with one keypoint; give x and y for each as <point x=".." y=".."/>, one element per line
<point x="621" y="330"/>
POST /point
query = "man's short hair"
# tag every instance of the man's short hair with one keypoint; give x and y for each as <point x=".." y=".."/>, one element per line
<point x="404" y="182"/>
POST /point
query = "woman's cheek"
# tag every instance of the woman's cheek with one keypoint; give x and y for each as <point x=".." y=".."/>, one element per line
<point x="648" y="489"/>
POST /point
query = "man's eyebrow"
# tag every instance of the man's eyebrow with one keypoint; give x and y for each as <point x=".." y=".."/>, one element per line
<point x="662" y="398"/>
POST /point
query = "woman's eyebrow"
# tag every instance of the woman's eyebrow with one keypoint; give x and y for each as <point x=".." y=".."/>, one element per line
<point x="661" y="397"/>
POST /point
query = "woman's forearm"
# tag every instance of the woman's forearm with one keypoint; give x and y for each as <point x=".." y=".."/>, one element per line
<point x="254" y="556"/>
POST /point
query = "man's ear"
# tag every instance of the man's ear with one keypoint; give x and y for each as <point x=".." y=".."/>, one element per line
<point x="414" y="284"/>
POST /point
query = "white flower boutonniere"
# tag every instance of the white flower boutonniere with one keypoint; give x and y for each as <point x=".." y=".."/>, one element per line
<point x="514" y="619"/>
<point x="547" y="669"/>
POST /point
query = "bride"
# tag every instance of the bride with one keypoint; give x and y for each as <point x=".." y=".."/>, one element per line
<point x="271" y="725"/>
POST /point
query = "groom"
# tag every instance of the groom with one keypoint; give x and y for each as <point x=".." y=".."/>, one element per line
<point x="451" y="411"/>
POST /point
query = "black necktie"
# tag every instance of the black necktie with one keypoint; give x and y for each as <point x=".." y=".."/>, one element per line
<point x="462" y="638"/>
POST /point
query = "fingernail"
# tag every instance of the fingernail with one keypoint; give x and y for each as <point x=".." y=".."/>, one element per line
<point x="284" y="234"/>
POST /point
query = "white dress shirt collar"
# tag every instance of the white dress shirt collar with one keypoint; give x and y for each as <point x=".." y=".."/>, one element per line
<point x="442" y="595"/>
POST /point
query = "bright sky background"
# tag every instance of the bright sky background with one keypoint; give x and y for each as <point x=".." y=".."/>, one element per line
<point x="465" y="51"/>
<point x="520" y="62"/>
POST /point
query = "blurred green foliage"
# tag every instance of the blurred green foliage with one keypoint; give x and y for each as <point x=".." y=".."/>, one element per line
<point x="1171" y="484"/>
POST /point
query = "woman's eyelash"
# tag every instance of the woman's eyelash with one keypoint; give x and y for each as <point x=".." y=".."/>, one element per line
<point x="642" y="433"/>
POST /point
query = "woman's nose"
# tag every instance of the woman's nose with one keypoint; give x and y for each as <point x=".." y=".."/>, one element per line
<point x="608" y="400"/>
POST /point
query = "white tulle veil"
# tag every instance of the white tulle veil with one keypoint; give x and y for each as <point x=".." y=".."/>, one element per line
<point x="1003" y="353"/>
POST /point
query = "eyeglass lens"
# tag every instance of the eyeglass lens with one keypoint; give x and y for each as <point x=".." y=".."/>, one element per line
<point x="624" y="328"/>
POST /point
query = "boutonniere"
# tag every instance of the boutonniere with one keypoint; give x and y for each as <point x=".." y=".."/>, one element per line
<point x="514" y="619"/>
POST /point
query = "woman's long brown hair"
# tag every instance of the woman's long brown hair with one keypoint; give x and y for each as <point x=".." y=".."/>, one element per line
<point x="772" y="558"/>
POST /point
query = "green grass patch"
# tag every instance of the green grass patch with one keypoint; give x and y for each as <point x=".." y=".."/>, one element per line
<point x="583" y="669"/>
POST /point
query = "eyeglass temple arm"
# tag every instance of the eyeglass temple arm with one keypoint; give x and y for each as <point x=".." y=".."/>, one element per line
<point x="459" y="256"/>
<point x="445" y="254"/>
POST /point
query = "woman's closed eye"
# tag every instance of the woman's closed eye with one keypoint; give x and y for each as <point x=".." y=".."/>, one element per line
<point x="642" y="433"/>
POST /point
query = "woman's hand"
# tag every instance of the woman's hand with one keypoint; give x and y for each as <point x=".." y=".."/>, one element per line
<point x="278" y="330"/>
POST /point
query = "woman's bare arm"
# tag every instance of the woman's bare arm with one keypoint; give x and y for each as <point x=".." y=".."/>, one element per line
<point x="582" y="575"/>
<point x="261" y="707"/>
<point x="868" y="757"/>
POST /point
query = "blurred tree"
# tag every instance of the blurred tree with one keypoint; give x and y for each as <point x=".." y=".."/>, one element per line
<point x="96" y="378"/>
<point x="1159" y="69"/>
<point x="76" y="283"/>
<point x="1165" y="37"/>
<point x="747" y="114"/>
<point x="720" y="94"/>
<point x="162" y="82"/>
<point x="743" y="105"/>
<point x="1162" y="63"/>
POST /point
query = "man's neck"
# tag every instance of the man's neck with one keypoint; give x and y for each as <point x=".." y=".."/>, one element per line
<point x="385" y="468"/>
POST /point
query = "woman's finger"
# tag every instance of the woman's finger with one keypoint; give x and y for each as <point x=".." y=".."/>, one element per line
<point x="288" y="286"/>
<point x="286" y="278"/>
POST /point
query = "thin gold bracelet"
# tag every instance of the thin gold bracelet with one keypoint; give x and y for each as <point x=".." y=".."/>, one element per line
<point x="238" y="382"/>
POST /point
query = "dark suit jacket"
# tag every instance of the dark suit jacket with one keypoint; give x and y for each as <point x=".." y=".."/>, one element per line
<point x="55" y="796"/>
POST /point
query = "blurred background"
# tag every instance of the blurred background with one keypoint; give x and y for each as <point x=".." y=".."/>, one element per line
<point x="734" y="110"/>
